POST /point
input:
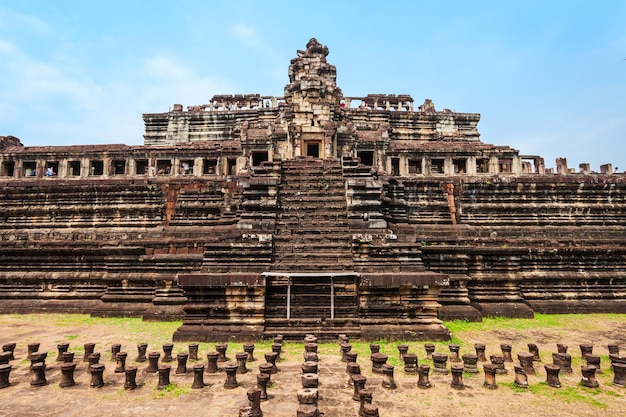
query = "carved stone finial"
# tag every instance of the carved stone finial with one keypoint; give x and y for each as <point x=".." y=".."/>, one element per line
<point x="314" y="47"/>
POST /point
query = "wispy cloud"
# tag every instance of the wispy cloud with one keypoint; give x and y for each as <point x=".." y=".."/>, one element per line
<point x="247" y="35"/>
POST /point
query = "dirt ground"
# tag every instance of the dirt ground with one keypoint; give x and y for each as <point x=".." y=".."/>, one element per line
<point x="20" y="399"/>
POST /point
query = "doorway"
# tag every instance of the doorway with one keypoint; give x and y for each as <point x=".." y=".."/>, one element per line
<point x="313" y="149"/>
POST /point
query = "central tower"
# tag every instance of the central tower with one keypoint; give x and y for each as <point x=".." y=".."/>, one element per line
<point x="312" y="99"/>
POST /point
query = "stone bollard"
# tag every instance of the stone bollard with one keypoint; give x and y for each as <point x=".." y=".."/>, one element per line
<point x="613" y="349"/>
<point x="480" y="351"/>
<point x="193" y="351"/>
<point x="619" y="377"/>
<point x="94" y="358"/>
<point x="10" y="347"/>
<point x="115" y="349"/>
<point x="277" y="349"/>
<point x="561" y="348"/>
<point x="378" y="360"/>
<point x="164" y="376"/>
<point x="167" y="352"/>
<point x="96" y="370"/>
<point x="422" y="379"/>
<point x="506" y="352"/>
<point x="552" y="375"/>
<point x="490" y="375"/>
<point x="367" y="409"/>
<point x="279" y="339"/>
<point x="131" y="377"/>
<point x="457" y="376"/>
<point x="345" y="348"/>
<point x="440" y="363"/>
<point x="266" y="368"/>
<point x="585" y="348"/>
<point x="62" y="348"/>
<point x="181" y="360"/>
<point x="454" y="353"/>
<point x="141" y="352"/>
<point x="532" y="348"/>
<point x="343" y="338"/>
<point x="37" y="357"/>
<point x="249" y="349"/>
<point x="221" y="349"/>
<point x="521" y="379"/>
<point x="526" y="360"/>
<point x="271" y="358"/>
<point x="39" y="375"/>
<point x="429" y="348"/>
<point x="309" y="368"/>
<point x="307" y="403"/>
<point x="67" y="375"/>
<point x="564" y="361"/>
<point x="470" y="363"/>
<point x="89" y="348"/>
<point x="198" y="376"/>
<point x="262" y="381"/>
<point x="211" y="366"/>
<point x="374" y="348"/>
<point x="309" y="380"/>
<point x="388" y="380"/>
<point x="120" y="366"/>
<point x="498" y="361"/>
<point x="68" y="357"/>
<point x="310" y="357"/>
<point x="310" y="338"/>
<point x="5" y="358"/>
<point x="254" y="397"/>
<point x="33" y="347"/>
<point x="153" y="362"/>
<point x="231" y="375"/>
<point x="351" y="356"/>
<point x="594" y="360"/>
<point x="358" y="383"/>
<point x="310" y="347"/>
<point x="352" y="368"/>
<point x="242" y="359"/>
<point x="410" y="363"/>
<point x="5" y="371"/>
<point x="589" y="376"/>
<point x="402" y="350"/>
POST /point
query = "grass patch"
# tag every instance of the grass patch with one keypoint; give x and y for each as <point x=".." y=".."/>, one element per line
<point x="569" y="394"/>
<point x="171" y="391"/>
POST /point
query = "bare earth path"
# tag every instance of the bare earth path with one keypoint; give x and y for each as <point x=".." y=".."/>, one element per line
<point x="20" y="399"/>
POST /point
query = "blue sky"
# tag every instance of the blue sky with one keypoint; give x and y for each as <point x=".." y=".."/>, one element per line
<point x="548" y="77"/>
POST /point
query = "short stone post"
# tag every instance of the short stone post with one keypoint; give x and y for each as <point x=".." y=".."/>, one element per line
<point x="261" y="383"/>
<point x="498" y="361"/>
<point x="352" y="368"/>
<point x="242" y="359"/>
<point x="457" y="376"/>
<point x="585" y="348"/>
<point x="561" y="348"/>
<point x="307" y="403"/>
<point x="141" y="352"/>
<point x="480" y="352"/>
<point x="506" y="352"/>
<point x="38" y="357"/>
<point x="271" y="358"/>
<point x="526" y="360"/>
<point x="231" y="375"/>
<point x="211" y="366"/>
<point x="96" y="370"/>
<point x="619" y="377"/>
<point x="490" y="375"/>
<point x="33" y="347"/>
<point x="249" y="349"/>
<point x="388" y="380"/>
<point x="10" y="347"/>
<point x="94" y="358"/>
<point x="89" y="348"/>
<point x="5" y="371"/>
<point x="410" y="363"/>
<point x="181" y="360"/>
<point x="167" y="352"/>
<point x="309" y="380"/>
<point x="345" y="348"/>
<point x="374" y="348"/>
<point x="277" y="349"/>
<point x="39" y="375"/>
<point x="358" y="383"/>
<point x="279" y="339"/>
<point x="589" y="376"/>
<point x="378" y="360"/>
<point x="402" y="350"/>
<point x="440" y="363"/>
<point x="153" y="362"/>
<point x="422" y="379"/>
<point x="521" y="379"/>
<point x="164" y="376"/>
<point x="120" y="366"/>
<point x="594" y="360"/>
<point x="254" y="397"/>
<point x="62" y="348"/>
<point x="198" y="376"/>
<point x="367" y="409"/>
<point x="309" y="368"/>
<point x="311" y="357"/>
<point x="351" y="356"/>
<point x="310" y="338"/>
<point x="193" y="351"/>
<point x="5" y="358"/>
<point x="454" y="353"/>
<point x="266" y="368"/>
<point x="564" y="361"/>
<point x="429" y="348"/>
<point x="613" y="349"/>
<point x="67" y="375"/>
<point x="470" y="363"/>
<point x="115" y="349"/>
<point x="310" y="347"/>
<point x="532" y="348"/>
<point x="130" y="382"/>
<point x="552" y="375"/>
<point x="221" y="349"/>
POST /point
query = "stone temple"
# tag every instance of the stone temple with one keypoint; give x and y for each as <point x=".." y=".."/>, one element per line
<point x="311" y="212"/>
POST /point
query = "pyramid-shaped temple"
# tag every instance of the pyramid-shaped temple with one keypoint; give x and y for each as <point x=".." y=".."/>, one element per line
<point x="311" y="212"/>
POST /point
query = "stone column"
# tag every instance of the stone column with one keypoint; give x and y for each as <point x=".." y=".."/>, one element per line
<point x="39" y="375"/>
<point x="61" y="348"/>
<point x="440" y="363"/>
<point x="378" y="360"/>
<point x="422" y="381"/>
<point x="388" y="380"/>
<point x="115" y="349"/>
<point x="67" y="375"/>
<point x="153" y="362"/>
<point x="521" y="380"/>
<point x="131" y="376"/>
<point x="506" y="352"/>
<point x="410" y="363"/>
<point x="454" y="353"/>
<point x="181" y="359"/>
<point x="5" y="371"/>
<point x="261" y="382"/>
<point x="526" y="360"/>
<point x="193" y="351"/>
<point x="480" y="352"/>
<point x="167" y="352"/>
<point x="231" y="375"/>
<point x="358" y="383"/>
<point x="198" y="376"/>
<point x="619" y="377"/>
<point x="89" y="348"/>
<point x="532" y="348"/>
<point x="589" y="376"/>
<point x="164" y="376"/>
<point x="490" y="375"/>
<point x="594" y="360"/>
<point x="309" y="380"/>
<point x="585" y="348"/>
<point x="10" y="347"/>
<point x="221" y="350"/>
<point x="249" y="349"/>
<point x="96" y="371"/>
<point x="498" y="361"/>
<point x="402" y="350"/>
<point x="564" y="361"/>
<point x="470" y="363"/>
<point x="429" y="348"/>
<point x="120" y="366"/>
<point x="271" y="358"/>
<point x="457" y="376"/>
<point x="242" y="358"/>
<point x="211" y="366"/>
<point x="352" y="368"/>
<point x="552" y="375"/>
<point x="141" y="352"/>
<point x="266" y="368"/>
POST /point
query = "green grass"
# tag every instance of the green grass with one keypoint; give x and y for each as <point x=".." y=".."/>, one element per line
<point x="569" y="394"/>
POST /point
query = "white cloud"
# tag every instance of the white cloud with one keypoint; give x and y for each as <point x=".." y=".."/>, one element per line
<point x="247" y="35"/>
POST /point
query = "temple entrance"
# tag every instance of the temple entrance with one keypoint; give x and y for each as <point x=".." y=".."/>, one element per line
<point x="313" y="149"/>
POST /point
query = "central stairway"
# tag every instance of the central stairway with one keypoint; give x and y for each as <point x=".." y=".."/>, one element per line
<point x="312" y="283"/>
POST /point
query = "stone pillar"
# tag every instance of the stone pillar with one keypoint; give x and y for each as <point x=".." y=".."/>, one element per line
<point x="366" y="408"/>
<point x="153" y="362"/>
<point x="5" y="371"/>
<point x="307" y="400"/>
<point x="120" y="366"/>
<point x="61" y="348"/>
<point x="345" y="348"/>
<point x="131" y="376"/>
<point x="164" y="376"/>
<point x="498" y="361"/>
<point x="613" y="349"/>
<point x="454" y="353"/>
<point x="309" y="380"/>
<point x="32" y="348"/>
<point x="96" y="371"/>
<point x="561" y="348"/>
<point x="198" y="376"/>
<point x="402" y="350"/>
<point x="141" y="352"/>
<point x="429" y="348"/>
<point x="440" y="363"/>
<point x="378" y="360"/>
<point x="266" y="368"/>
<point x="480" y="352"/>
<point x="271" y="358"/>
<point x="115" y="349"/>
<point x="68" y="357"/>
<point x="231" y="375"/>
<point x="564" y="361"/>
<point x="552" y="375"/>
<point x="422" y="380"/>
<point x="211" y="366"/>
<point x="89" y="348"/>
<point x="277" y="349"/>
<point x="585" y="348"/>
<point x="352" y="368"/>
<point x="470" y="363"/>
<point x="310" y="357"/>
<point x="242" y="358"/>
<point x="67" y="375"/>
<point x="410" y="363"/>
<point x="261" y="382"/>
<point x="351" y="356"/>
<point x="388" y="380"/>
<point x="310" y="347"/>
<point x="181" y="359"/>
<point x="532" y="348"/>
<point x="167" y="352"/>
<point x="94" y="358"/>
<point x="249" y="349"/>
<point x="490" y="376"/>
<point x="5" y="358"/>
<point x="309" y="368"/>
<point x="39" y="375"/>
<point x="358" y="383"/>
<point x="506" y="352"/>
<point x="221" y="350"/>
<point x="589" y="376"/>
<point x="374" y="348"/>
<point x="521" y="380"/>
<point x="37" y="357"/>
<point x="594" y="360"/>
<point x="254" y="397"/>
<point x="10" y="347"/>
<point x="526" y="360"/>
<point x="619" y="377"/>
<point x="193" y="351"/>
<point x="457" y="376"/>
<point x="310" y="338"/>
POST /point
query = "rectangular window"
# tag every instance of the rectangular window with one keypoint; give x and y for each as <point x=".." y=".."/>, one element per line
<point x="258" y="157"/>
<point x="415" y="166"/>
<point x="436" y="166"/>
<point x="96" y="167"/>
<point x="30" y="169"/>
<point x="186" y="167"/>
<point x="482" y="166"/>
<point x="8" y="169"/>
<point x="460" y="165"/>
<point x="209" y="166"/>
<point x="73" y="168"/>
<point x="366" y="157"/>
<point x="52" y="169"/>
<point x="505" y="165"/>
<point x="141" y="166"/>
<point x="164" y="167"/>
<point x="118" y="167"/>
